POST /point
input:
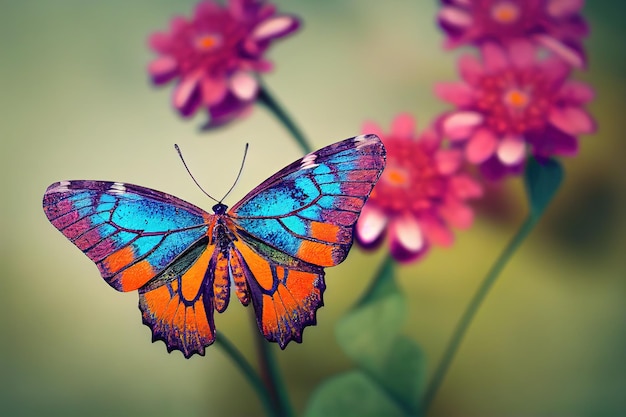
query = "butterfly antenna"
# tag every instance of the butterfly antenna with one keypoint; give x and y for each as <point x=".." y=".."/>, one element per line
<point x="191" y="175"/>
<point x="243" y="161"/>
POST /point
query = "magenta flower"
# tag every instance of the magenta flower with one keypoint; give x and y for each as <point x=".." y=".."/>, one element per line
<point x="420" y="193"/>
<point x="555" y="24"/>
<point x="512" y="101"/>
<point x="216" y="56"/>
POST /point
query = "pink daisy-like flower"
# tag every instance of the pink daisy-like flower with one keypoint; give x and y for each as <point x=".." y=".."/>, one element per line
<point x="421" y="192"/>
<point x="216" y="56"/>
<point x="512" y="101"/>
<point x="555" y="24"/>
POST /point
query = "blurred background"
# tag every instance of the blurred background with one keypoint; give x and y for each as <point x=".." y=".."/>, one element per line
<point x="76" y="103"/>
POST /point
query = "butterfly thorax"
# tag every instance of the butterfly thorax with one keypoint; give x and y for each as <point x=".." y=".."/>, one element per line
<point x="222" y="236"/>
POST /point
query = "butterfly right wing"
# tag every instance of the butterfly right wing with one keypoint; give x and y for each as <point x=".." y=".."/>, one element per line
<point x="299" y="221"/>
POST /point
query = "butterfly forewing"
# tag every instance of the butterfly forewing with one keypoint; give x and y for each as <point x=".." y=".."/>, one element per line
<point x="132" y="233"/>
<point x="308" y="209"/>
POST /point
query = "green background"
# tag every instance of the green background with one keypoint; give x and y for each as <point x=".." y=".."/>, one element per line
<point x="76" y="103"/>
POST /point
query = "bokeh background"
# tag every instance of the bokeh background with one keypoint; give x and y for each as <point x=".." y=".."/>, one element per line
<point x="76" y="103"/>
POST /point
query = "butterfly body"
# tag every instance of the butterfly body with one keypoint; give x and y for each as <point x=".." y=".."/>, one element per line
<point x="270" y="249"/>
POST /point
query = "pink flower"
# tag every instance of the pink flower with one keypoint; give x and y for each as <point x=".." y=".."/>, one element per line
<point x="512" y="101"/>
<point x="555" y="24"/>
<point x="216" y="56"/>
<point x="420" y="193"/>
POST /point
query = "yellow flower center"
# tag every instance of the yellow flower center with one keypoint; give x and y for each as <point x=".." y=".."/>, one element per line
<point x="396" y="176"/>
<point x="505" y="12"/>
<point x="516" y="98"/>
<point x="207" y="42"/>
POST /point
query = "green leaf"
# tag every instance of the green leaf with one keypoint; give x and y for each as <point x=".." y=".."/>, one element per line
<point x="542" y="182"/>
<point x="370" y="335"/>
<point x="352" y="394"/>
<point x="403" y="373"/>
<point x="366" y="333"/>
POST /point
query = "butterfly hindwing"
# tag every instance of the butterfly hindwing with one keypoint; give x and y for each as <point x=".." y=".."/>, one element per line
<point x="180" y="310"/>
<point x="285" y="299"/>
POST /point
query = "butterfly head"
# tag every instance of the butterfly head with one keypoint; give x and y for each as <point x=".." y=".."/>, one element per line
<point x="220" y="208"/>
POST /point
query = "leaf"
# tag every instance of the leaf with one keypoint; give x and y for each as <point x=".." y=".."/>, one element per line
<point x="352" y="394"/>
<point x="367" y="332"/>
<point x="542" y="182"/>
<point x="370" y="335"/>
<point x="403" y="373"/>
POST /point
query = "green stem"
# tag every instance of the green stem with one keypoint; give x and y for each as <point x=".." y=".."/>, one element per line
<point x="253" y="378"/>
<point x="272" y="377"/>
<point x="265" y="98"/>
<point x="268" y="364"/>
<point x="382" y="283"/>
<point x="472" y="309"/>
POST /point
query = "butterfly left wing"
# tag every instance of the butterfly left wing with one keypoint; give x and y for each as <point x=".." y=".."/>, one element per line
<point x="146" y="240"/>
<point x="299" y="221"/>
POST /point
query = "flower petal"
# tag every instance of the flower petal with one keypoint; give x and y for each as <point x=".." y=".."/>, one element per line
<point x="463" y="187"/>
<point x="163" y="69"/>
<point x="495" y="170"/>
<point x="553" y="141"/>
<point x="430" y="139"/>
<point x="370" y="225"/>
<point x="564" y="8"/>
<point x="569" y="54"/>
<point x="522" y="53"/>
<point x="572" y="120"/>
<point x="406" y="238"/>
<point x="186" y="97"/>
<point x="227" y="110"/>
<point x="207" y="8"/>
<point x="511" y="150"/>
<point x="481" y="146"/>
<point x="577" y="92"/>
<point x="454" y="16"/>
<point x="160" y="42"/>
<point x="555" y="70"/>
<point x="494" y="57"/>
<point x="461" y="124"/>
<point x="178" y="23"/>
<point x="457" y="214"/>
<point x="436" y="231"/>
<point x="470" y="69"/>
<point x="403" y="126"/>
<point x="244" y="85"/>
<point x="275" y="27"/>
<point x="213" y="90"/>
<point x="448" y="160"/>
<point x="372" y="127"/>
<point x="459" y="93"/>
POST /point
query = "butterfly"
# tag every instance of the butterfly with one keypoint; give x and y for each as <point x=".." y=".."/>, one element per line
<point x="270" y="248"/>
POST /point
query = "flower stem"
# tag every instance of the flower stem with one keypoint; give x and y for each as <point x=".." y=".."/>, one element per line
<point x="472" y="309"/>
<point x="249" y="372"/>
<point x="268" y="364"/>
<point x="382" y="283"/>
<point x="271" y="375"/>
<point x="265" y="98"/>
